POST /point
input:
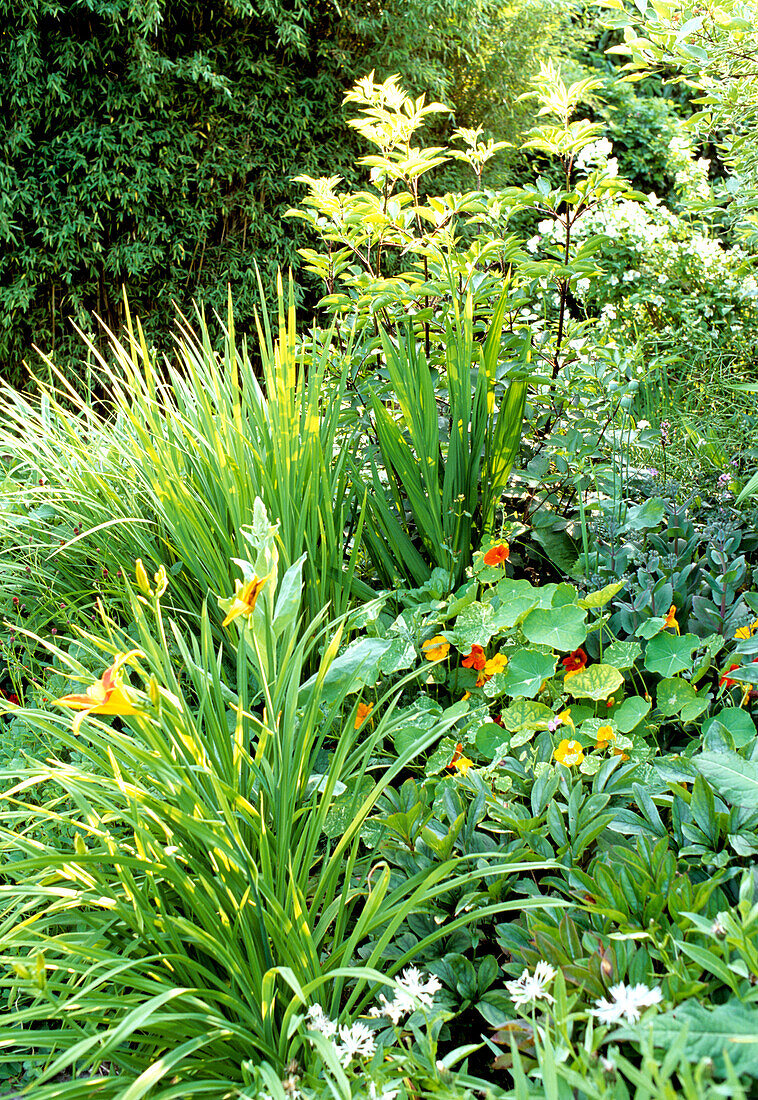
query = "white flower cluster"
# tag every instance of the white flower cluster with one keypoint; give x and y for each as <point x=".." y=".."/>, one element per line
<point x="627" y="1003"/>
<point x="530" y="988"/>
<point x="413" y="992"/>
<point x="357" y="1041"/>
<point x="597" y="153"/>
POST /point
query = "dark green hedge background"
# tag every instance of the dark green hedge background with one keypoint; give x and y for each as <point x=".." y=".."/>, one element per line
<point x="151" y="143"/>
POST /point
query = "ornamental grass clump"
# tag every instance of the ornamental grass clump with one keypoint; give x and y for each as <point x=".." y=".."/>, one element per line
<point x="167" y="467"/>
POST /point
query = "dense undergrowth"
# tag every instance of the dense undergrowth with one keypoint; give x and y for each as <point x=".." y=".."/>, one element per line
<point x="378" y="709"/>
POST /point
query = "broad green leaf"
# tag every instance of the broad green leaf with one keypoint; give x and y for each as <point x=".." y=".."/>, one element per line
<point x="594" y="682"/>
<point x="474" y="626"/>
<point x="517" y="597"/>
<point x="631" y="712"/>
<point x="527" y="671"/>
<point x="644" y="516"/>
<point x="738" y="722"/>
<point x="526" y="714"/>
<point x="668" y="654"/>
<point x="563" y="628"/>
<point x="342" y="810"/>
<point x="677" y="696"/>
<point x="594" y="600"/>
<point x="622" y="655"/>
<point x="491" y="739"/>
<point x="735" y="778"/>
<point x="730" y="1028"/>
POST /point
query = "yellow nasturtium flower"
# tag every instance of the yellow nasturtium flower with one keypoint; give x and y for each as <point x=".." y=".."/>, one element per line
<point x="569" y="753"/>
<point x="742" y="633"/>
<point x="108" y="695"/>
<point x="364" y="709"/>
<point x="605" y="736"/>
<point x="436" y="648"/>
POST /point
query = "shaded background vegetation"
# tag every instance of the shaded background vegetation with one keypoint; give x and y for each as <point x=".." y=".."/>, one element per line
<point x="151" y="144"/>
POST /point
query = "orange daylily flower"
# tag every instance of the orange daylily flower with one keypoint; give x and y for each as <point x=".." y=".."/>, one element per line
<point x="497" y="554"/>
<point x="436" y="648"/>
<point x="475" y="659"/>
<point x="364" y="709"/>
<point x="108" y="695"/>
<point x="569" y="753"/>
<point x="670" y="620"/>
<point x="245" y="598"/>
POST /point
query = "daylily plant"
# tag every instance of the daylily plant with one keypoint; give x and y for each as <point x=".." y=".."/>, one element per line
<point x="108" y="695"/>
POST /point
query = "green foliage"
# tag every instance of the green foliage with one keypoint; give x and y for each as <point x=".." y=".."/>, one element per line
<point x="152" y="145"/>
<point x="171" y="473"/>
<point x="199" y="842"/>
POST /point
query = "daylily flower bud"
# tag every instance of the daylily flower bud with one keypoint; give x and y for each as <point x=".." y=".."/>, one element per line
<point x="161" y="581"/>
<point x="141" y="575"/>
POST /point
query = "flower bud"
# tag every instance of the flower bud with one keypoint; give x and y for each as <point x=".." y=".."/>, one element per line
<point x="141" y="575"/>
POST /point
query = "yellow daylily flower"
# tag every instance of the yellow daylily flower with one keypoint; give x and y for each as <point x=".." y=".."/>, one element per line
<point x="245" y="598"/>
<point x="108" y="695"/>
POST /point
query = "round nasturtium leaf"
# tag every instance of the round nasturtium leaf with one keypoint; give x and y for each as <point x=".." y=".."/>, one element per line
<point x="563" y="628"/>
<point x="668" y="654"/>
<point x="594" y="682"/>
<point x="630" y="713"/>
<point x="527" y="671"/>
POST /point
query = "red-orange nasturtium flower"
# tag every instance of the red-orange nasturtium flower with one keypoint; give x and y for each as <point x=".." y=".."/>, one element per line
<point x="726" y="680"/>
<point x="108" y="695"/>
<point x="436" y="648"/>
<point x="670" y="620"/>
<point x="497" y="554"/>
<point x="575" y="662"/>
<point x="245" y="598"/>
<point x="364" y="709"/>
<point x="475" y="659"/>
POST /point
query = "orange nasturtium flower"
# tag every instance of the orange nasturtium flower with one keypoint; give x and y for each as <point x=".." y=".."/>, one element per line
<point x="575" y="662"/>
<point x="491" y="668"/>
<point x="108" y="695"/>
<point x="475" y="659"/>
<point x="605" y="736"/>
<point x="670" y="620"/>
<point x="460" y="763"/>
<point x="364" y="709"/>
<point x="245" y="598"/>
<point x="497" y="554"/>
<point x="568" y="753"/>
<point x="436" y="648"/>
